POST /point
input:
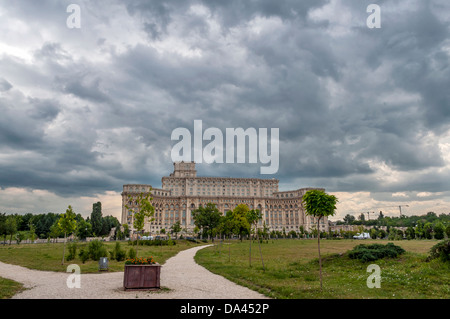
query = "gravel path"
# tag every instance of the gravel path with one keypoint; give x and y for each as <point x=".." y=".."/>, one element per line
<point x="184" y="279"/>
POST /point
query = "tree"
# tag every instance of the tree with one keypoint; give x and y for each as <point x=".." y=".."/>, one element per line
<point x="54" y="231"/>
<point x="428" y="230"/>
<point x="419" y="231"/>
<point x="319" y="204"/>
<point x="239" y="222"/>
<point x="3" y="227"/>
<point x="43" y="222"/>
<point x="10" y="227"/>
<point x="176" y="228"/>
<point x="207" y="218"/>
<point x="32" y="231"/>
<point x="373" y="233"/>
<point x="438" y="229"/>
<point x="381" y="234"/>
<point x="144" y="209"/>
<point x="108" y="223"/>
<point x="67" y="224"/>
<point x="410" y="234"/>
<point x="301" y="230"/>
<point x="349" y="219"/>
<point x="84" y="229"/>
<point x="126" y="230"/>
<point x="97" y="219"/>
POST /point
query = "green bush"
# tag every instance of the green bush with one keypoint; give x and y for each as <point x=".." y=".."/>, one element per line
<point x="118" y="253"/>
<point x="374" y="252"/>
<point x="131" y="253"/>
<point x="96" y="250"/>
<point x="84" y="255"/>
<point x="441" y="250"/>
<point x="72" y="251"/>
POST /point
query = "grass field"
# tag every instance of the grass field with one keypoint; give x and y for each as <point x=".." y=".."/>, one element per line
<point x="9" y="288"/>
<point x="49" y="256"/>
<point x="292" y="270"/>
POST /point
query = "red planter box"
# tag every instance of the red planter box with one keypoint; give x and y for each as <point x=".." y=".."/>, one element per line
<point x="141" y="276"/>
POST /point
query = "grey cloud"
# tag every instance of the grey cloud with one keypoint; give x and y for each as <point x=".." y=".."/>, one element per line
<point x="233" y="13"/>
<point x="5" y="85"/>
<point x="118" y="115"/>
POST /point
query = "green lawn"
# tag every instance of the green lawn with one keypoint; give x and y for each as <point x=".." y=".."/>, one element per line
<point x="49" y="256"/>
<point x="9" y="288"/>
<point x="292" y="270"/>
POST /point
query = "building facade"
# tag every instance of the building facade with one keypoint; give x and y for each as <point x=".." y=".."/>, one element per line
<point x="183" y="191"/>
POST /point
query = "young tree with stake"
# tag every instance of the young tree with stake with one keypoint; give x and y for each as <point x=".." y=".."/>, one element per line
<point x="319" y="204"/>
<point x="67" y="224"/>
<point x="253" y="217"/>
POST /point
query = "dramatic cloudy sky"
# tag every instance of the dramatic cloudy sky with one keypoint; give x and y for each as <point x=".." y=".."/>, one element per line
<point x="364" y="113"/>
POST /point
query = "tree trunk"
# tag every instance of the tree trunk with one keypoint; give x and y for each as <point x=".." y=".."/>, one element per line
<point x="137" y="246"/>
<point x="250" y="253"/>
<point x="320" y="260"/>
<point x="64" y="248"/>
<point x="260" y="253"/>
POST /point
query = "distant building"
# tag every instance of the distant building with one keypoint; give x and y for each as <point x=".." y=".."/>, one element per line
<point x="183" y="191"/>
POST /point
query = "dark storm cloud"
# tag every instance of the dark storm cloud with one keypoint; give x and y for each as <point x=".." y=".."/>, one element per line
<point x="344" y="102"/>
<point x="23" y="120"/>
<point x="232" y="13"/>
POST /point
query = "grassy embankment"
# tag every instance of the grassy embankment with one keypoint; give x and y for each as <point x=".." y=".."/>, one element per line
<point x="292" y="270"/>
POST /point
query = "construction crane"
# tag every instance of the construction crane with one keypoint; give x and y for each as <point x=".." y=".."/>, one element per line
<point x="368" y="216"/>
<point x="399" y="207"/>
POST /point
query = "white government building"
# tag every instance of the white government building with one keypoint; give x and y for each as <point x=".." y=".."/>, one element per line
<point x="183" y="191"/>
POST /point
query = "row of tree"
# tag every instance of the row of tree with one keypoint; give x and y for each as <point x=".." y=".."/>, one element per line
<point x="426" y="226"/>
<point x="34" y="226"/>
<point x="210" y="222"/>
<point x="401" y="221"/>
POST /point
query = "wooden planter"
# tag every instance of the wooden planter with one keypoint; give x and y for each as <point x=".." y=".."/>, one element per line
<point x="142" y="277"/>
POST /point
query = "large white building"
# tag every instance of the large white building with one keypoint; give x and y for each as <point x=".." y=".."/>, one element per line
<point x="183" y="191"/>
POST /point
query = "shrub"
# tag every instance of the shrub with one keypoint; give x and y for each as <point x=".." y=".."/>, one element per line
<point x="118" y="253"/>
<point x="84" y="255"/>
<point x="96" y="250"/>
<point x="374" y="252"/>
<point x="441" y="250"/>
<point x="131" y="253"/>
<point x="72" y="251"/>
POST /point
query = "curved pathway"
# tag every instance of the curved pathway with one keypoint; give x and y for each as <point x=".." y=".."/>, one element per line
<point x="183" y="277"/>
